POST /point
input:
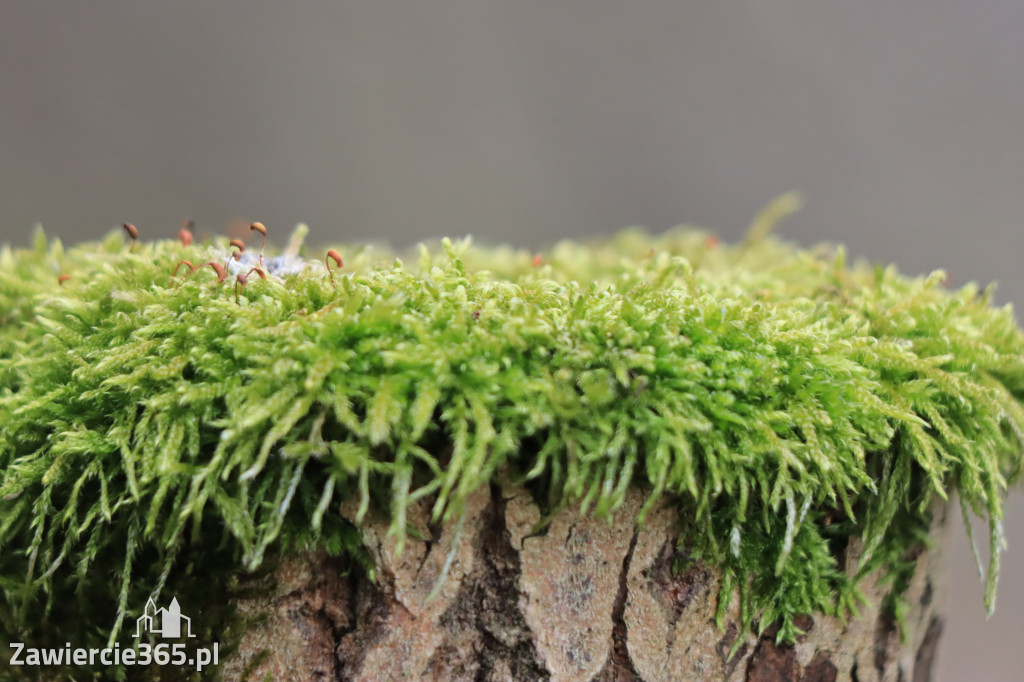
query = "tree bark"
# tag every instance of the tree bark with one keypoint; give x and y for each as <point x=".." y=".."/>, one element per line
<point x="587" y="601"/>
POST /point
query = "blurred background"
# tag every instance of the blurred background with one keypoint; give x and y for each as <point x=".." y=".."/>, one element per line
<point x="902" y="124"/>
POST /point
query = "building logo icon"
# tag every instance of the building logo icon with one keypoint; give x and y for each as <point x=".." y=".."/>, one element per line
<point x="164" y="622"/>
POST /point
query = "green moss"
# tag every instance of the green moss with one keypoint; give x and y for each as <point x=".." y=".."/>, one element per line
<point x="786" y="400"/>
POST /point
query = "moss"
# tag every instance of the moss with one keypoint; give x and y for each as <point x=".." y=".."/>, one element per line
<point x="786" y="399"/>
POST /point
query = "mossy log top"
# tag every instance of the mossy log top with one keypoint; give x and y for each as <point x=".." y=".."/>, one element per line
<point x="782" y="400"/>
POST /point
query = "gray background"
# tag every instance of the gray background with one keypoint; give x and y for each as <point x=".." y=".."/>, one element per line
<point x="525" y="122"/>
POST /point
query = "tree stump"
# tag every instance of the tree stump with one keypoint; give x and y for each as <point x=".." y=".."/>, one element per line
<point x="590" y="600"/>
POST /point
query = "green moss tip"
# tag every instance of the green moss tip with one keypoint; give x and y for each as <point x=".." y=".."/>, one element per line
<point x="785" y="400"/>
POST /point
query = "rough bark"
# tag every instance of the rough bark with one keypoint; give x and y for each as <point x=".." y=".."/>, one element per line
<point x="588" y="600"/>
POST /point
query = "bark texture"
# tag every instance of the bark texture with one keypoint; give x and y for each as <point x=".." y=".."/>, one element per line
<point x="587" y="601"/>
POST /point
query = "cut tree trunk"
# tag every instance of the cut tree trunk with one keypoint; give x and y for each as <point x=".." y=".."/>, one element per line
<point x="587" y="601"/>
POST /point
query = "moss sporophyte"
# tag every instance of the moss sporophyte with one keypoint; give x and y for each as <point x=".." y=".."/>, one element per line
<point x="784" y="400"/>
